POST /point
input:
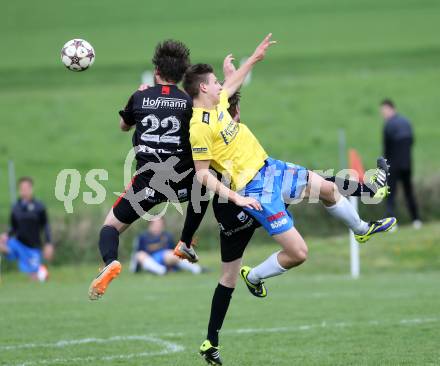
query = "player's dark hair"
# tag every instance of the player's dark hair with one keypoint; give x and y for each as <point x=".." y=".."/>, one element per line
<point x="233" y="101"/>
<point x="171" y="59"/>
<point x="195" y="75"/>
<point x="27" y="180"/>
<point x="388" y="103"/>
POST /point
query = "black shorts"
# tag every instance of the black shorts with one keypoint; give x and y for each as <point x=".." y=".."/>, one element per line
<point x="236" y="229"/>
<point x="139" y="197"/>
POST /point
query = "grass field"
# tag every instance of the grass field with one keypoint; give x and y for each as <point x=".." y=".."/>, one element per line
<point x="334" y="62"/>
<point x="314" y="315"/>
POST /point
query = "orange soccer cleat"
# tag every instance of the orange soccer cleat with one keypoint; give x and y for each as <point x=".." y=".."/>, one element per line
<point x="183" y="252"/>
<point x="99" y="284"/>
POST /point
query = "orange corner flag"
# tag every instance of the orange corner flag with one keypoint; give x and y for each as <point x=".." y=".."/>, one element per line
<point x="355" y="163"/>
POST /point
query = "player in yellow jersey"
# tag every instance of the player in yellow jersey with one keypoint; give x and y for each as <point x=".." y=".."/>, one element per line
<point x="260" y="184"/>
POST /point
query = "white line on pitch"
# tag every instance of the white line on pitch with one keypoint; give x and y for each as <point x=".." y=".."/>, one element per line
<point x="324" y="324"/>
<point x="148" y="337"/>
<point x="169" y="347"/>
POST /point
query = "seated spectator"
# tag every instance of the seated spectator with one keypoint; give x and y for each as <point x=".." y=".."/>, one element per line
<point x="23" y="242"/>
<point x="153" y="252"/>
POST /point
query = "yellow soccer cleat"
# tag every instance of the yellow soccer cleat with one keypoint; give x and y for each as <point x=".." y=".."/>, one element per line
<point x="210" y="353"/>
<point x="376" y="227"/>
<point x="258" y="290"/>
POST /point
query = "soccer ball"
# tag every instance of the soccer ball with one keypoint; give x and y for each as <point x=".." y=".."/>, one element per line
<point x="77" y="55"/>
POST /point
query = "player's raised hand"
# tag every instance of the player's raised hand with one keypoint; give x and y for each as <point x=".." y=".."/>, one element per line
<point x="261" y="49"/>
<point x="234" y="82"/>
<point x="228" y="66"/>
<point x="248" y="202"/>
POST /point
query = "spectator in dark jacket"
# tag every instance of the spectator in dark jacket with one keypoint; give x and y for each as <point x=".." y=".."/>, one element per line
<point x="398" y="140"/>
<point x="23" y="242"/>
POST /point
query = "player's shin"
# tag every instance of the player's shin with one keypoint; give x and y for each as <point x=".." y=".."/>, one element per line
<point x="109" y="243"/>
<point x="345" y="212"/>
<point x="269" y="268"/>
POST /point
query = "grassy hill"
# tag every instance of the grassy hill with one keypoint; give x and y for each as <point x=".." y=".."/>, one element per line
<point x="334" y="62"/>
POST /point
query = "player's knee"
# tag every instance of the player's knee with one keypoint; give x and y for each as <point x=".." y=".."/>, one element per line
<point x="329" y="193"/>
<point x="112" y="221"/>
<point x="303" y="254"/>
<point x="229" y="279"/>
<point x="298" y="256"/>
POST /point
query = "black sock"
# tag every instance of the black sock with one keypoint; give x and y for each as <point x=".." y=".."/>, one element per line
<point x="192" y="222"/>
<point x="108" y="244"/>
<point x="343" y="185"/>
<point x="219" y="307"/>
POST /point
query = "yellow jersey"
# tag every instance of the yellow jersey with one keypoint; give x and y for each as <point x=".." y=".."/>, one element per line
<point x="230" y="146"/>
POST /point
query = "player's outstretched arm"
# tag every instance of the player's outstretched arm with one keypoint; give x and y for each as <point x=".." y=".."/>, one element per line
<point x="211" y="182"/>
<point x="233" y="83"/>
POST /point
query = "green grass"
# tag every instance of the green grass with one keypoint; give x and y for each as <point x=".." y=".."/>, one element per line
<point x="334" y="62"/>
<point x="314" y="315"/>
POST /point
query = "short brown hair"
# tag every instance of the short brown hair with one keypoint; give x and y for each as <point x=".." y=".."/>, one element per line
<point x="171" y="59"/>
<point x="27" y="180"/>
<point x="388" y="103"/>
<point x="233" y="101"/>
<point x="195" y="75"/>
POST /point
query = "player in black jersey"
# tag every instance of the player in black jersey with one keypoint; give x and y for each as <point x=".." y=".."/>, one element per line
<point x="160" y="117"/>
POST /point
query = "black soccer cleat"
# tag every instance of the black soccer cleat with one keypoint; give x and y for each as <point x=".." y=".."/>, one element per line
<point x="210" y="353"/>
<point x="380" y="178"/>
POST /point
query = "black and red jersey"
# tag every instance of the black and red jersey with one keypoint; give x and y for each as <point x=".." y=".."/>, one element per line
<point x="161" y="116"/>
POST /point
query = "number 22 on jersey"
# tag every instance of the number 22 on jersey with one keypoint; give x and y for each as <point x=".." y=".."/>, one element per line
<point x="171" y="122"/>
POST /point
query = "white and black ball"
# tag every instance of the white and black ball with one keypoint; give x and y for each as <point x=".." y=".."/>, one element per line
<point x="77" y="55"/>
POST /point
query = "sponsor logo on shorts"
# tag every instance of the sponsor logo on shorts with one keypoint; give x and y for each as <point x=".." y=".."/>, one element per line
<point x="242" y="216"/>
<point x="162" y="102"/>
<point x="277" y="224"/>
<point x="235" y="230"/>
<point x="276" y="216"/>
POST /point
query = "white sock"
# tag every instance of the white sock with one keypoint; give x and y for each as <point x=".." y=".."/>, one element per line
<point x="150" y="265"/>
<point x="190" y="267"/>
<point x="344" y="211"/>
<point x="269" y="268"/>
